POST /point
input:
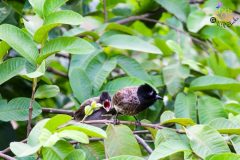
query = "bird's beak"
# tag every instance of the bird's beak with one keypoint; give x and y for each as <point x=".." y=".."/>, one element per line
<point x="159" y="97"/>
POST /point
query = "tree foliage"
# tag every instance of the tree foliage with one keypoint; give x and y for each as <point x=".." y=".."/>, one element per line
<point x="54" y="54"/>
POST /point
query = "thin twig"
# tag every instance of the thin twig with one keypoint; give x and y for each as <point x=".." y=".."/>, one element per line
<point x="56" y="72"/>
<point x="58" y="111"/>
<point x="155" y="126"/>
<point x="133" y="18"/>
<point x="105" y="11"/>
<point x="6" y="157"/>
<point x="6" y="150"/>
<point x="144" y="144"/>
<point x="30" y="109"/>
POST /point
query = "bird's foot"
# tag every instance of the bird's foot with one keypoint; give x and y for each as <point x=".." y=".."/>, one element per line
<point x="116" y="122"/>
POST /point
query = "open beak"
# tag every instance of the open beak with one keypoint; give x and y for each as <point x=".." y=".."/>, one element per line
<point x="107" y="105"/>
<point x="159" y="97"/>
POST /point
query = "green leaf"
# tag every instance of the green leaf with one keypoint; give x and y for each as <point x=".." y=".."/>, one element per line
<point x="185" y="106"/>
<point x="11" y="68"/>
<point x="51" y="6"/>
<point x="180" y="9"/>
<point x="210" y="108"/>
<point x="47" y="91"/>
<point x="166" y="134"/>
<point x="225" y="126"/>
<point x="132" y="68"/>
<point x="205" y="141"/>
<point x="19" y="41"/>
<point x="93" y="150"/>
<point x="55" y="19"/>
<point x="71" y="45"/>
<point x="126" y="157"/>
<point x="119" y="27"/>
<point x="77" y="154"/>
<point x="174" y="76"/>
<point x="17" y="109"/>
<point x="38" y="72"/>
<point x="47" y="139"/>
<point x="121" y="141"/>
<point x="57" y="121"/>
<point x="169" y="117"/>
<point x="33" y="138"/>
<point x="168" y="148"/>
<point x="235" y="140"/>
<point x="80" y="84"/>
<point x="4" y="47"/>
<point x="74" y="135"/>
<point x="37" y="6"/>
<point x="122" y="41"/>
<point x="176" y="48"/>
<point x="21" y="149"/>
<point x="87" y="129"/>
<point x="233" y="108"/>
<point x="57" y="152"/>
<point x="214" y="82"/>
<point x="119" y="83"/>
<point x="98" y="71"/>
<point x="224" y="156"/>
<point x="197" y="20"/>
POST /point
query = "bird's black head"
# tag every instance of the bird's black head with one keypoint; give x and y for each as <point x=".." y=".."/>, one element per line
<point x="105" y="100"/>
<point x="147" y="95"/>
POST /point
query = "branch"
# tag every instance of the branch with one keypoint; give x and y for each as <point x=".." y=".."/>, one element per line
<point x="59" y="73"/>
<point x="144" y="144"/>
<point x="58" y="111"/>
<point x="133" y="18"/>
<point x="6" y="156"/>
<point x="8" y="149"/>
<point x="105" y="11"/>
<point x="30" y="109"/>
<point x="155" y="126"/>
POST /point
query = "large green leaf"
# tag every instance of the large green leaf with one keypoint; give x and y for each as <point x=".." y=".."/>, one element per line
<point x="205" y="141"/>
<point x="71" y="45"/>
<point x="55" y="19"/>
<point x="224" y="156"/>
<point x="122" y="41"/>
<point x="94" y="150"/>
<point x="77" y="154"/>
<point x="180" y="9"/>
<point x="87" y="129"/>
<point x="47" y="91"/>
<point x="38" y="6"/>
<point x="80" y="84"/>
<point x="169" y="117"/>
<point x="214" y="82"/>
<point x="40" y="70"/>
<point x="51" y="6"/>
<point x="121" y="141"/>
<point x="119" y="83"/>
<point x="174" y="76"/>
<point x="185" y="106"/>
<point x="168" y="148"/>
<point x="33" y="138"/>
<point x="57" y="152"/>
<point x="74" y="135"/>
<point x="99" y="70"/>
<point x="11" y="68"/>
<point x="57" y="121"/>
<point x="19" y="41"/>
<point x="197" y="20"/>
<point x="132" y="68"/>
<point x="17" y="109"/>
<point x="210" y="108"/>
<point x="21" y="149"/>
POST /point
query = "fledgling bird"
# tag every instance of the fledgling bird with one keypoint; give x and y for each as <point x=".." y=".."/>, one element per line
<point x="132" y="100"/>
<point x="103" y="99"/>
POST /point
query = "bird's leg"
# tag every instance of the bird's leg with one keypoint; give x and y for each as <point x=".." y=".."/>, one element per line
<point x="138" y="123"/>
<point x="116" y="121"/>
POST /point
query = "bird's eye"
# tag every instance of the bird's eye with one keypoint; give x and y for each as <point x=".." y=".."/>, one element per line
<point x="150" y="93"/>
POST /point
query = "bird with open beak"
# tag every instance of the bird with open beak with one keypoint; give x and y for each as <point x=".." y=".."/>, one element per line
<point x="104" y="99"/>
<point x="132" y="100"/>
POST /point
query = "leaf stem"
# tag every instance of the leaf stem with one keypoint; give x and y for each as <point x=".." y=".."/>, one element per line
<point x="30" y="109"/>
<point x="105" y="11"/>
